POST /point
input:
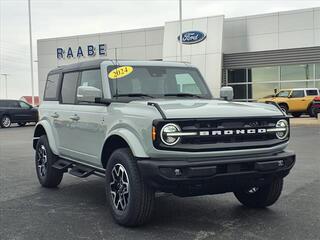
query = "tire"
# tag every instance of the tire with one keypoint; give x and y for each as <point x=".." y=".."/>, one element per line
<point x="22" y="124"/>
<point x="5" y="121"/>
<point x="48" y="176"/>
<point x="312" y="112"/>
<point x="137" y="202"/>
<point x="296" y="114"/>
<point x="284" y="108"/>
<point x="262" y="196"/>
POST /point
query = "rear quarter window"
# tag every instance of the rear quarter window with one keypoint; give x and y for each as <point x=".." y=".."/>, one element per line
<point x="313" y="92"/>
<point x="52" y="88"/>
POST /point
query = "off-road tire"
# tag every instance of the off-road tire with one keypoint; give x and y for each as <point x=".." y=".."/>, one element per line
<point x="312" y="111"/>
<point x="3" y="121"/>
<point x="140" y="201"/>
<point x="265" y="196"/>
<point x="52" y="177"/>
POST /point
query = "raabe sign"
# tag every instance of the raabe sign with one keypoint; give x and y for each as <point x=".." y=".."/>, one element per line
<point x="192" y="37"/>
<point x="80" y="51"/>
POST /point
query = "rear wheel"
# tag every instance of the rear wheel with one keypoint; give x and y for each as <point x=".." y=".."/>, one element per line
<point x="260" y="197"/>
<point x="130" y="199"/>
<point x="312" y="112"/>
<point x="296" y="114"/>
<point x="284" y="108"/>
<point x="47" y="175"/>
<point x="5" y="121"/>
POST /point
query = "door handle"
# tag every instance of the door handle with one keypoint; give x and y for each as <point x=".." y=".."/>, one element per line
<point x="55" y="115"/>
<point x="75" y="117"/>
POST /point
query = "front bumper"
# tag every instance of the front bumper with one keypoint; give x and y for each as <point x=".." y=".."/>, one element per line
<point x="188" y="177"/>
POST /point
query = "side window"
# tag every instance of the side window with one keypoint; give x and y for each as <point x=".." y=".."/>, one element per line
<point x="13" y="104"/>
<point x="90" y="86"/>
<point x="312" y="92"/>
<point x="69" y="87"/>
<point x="283" y="94"/>
<point x="297" y="94"/>
<point x="187" y="84"/>
<point x="51" y="90"/>
<point x="24" y="105"/>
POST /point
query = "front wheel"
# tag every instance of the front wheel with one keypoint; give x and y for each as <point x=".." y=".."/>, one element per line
<point x="48" y="176"/>
<point x="260" y="197"/>
<point x="130" y="199"/>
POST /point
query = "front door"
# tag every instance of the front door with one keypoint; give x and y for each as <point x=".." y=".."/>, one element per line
<point x="89" y="129"/>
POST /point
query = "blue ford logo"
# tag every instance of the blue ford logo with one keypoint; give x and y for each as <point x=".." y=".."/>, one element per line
<point x="192" y="37"/>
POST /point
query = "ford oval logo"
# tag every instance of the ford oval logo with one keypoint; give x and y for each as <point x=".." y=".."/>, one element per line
<point x="192" y="37"/>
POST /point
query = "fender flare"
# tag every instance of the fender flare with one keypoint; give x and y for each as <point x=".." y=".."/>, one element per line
<point x="131" y="139"/>
<point x="48" y="131"/>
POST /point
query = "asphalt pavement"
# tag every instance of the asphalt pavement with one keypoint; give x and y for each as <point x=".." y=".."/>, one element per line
<point x="77" y="209"/>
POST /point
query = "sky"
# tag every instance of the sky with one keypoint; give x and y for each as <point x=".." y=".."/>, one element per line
<point x="57" y="18"/>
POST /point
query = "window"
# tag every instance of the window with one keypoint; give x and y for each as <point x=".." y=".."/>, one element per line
<point x="312" y="92"/>
<point x="318" y="71"/>
<point x="187" y="84"/>
<point x="297" y="94"/>
<point x="159" y="81"/>
<point x="297" y="72"/>
<point x="260" y="90"/>
<point x="237" y="75"/>
<point x="91" y="78"/>
<point x="51" y="90"/>
<point x="24" y="105"/>
<point x="283" y="94"/>
<point x="264" y="74"/>
<point x="69" y="86"/>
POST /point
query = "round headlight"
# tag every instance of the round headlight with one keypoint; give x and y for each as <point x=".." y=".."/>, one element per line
<point x="283" y="124"/>
<point x="165" y="134"/>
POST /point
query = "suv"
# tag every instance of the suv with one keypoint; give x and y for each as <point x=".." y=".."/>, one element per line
<point x="16" y="111"/>
<point x="295" y="101"/>
<point x="148" y="126"/>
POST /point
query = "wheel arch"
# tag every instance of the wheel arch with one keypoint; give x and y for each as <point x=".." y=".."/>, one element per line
<point x="122" y="138"/>
<point x="43" y="128"/>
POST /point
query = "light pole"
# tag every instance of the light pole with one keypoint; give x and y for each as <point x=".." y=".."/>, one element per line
<point x="31" y="57"/>
<point x="180" y="23"/>
<point x="6" y="83"/>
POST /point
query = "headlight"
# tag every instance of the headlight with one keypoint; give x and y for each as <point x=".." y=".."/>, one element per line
<point x="167" y="130"/>
<point x="284" y="126"/>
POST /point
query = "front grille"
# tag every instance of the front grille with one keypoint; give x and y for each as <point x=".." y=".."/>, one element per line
<point x="209" y="142"/>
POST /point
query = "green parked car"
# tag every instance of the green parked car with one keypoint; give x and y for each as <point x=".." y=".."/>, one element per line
<point x="148" y="126"/>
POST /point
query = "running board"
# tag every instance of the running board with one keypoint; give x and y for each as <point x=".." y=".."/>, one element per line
<point x="62" y="165"/>
<point x="81" y="171"/>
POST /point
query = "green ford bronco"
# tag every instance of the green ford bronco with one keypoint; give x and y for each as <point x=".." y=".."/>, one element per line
<point x="151" y="126"/>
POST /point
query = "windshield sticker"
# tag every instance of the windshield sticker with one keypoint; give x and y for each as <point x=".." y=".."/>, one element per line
<point x="120" y="72"/>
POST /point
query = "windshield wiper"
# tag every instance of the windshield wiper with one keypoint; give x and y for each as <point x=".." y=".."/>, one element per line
<point x="133" y="95"/>
<point x="183" y="95"/>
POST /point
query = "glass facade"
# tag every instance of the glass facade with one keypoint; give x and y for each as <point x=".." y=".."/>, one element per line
<point x="254" y="83"/>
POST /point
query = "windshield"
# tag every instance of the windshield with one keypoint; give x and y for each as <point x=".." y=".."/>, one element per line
<point x="156" y="81"/>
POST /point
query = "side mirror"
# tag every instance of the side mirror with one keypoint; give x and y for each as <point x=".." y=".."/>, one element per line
<point x="88" y="94"/>
<point x="226" y="93"/>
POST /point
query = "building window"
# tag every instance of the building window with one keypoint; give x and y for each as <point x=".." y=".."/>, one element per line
<point x="264" y="74"/>
<point x="237" y="75"/>
<point x="297" y="72"/>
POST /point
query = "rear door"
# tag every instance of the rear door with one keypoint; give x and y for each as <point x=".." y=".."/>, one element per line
<point x="65" y="120"/>
<point x="297" y="101"/>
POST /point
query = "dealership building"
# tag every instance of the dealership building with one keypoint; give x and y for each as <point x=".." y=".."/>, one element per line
<point x="253" y="54"/>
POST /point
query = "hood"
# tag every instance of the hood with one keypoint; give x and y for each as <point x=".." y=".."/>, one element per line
<point x="207" y="108"/>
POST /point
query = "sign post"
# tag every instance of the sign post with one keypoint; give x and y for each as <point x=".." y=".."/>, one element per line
<point x="31" y="57"/>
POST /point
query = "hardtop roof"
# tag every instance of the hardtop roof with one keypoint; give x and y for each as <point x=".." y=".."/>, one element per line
<point x="96" y="64"/>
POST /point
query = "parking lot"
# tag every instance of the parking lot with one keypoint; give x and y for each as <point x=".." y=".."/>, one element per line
<point x="77" y="209"/>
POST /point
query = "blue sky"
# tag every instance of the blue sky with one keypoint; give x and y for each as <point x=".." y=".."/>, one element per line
<point x="55" y="18"/>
